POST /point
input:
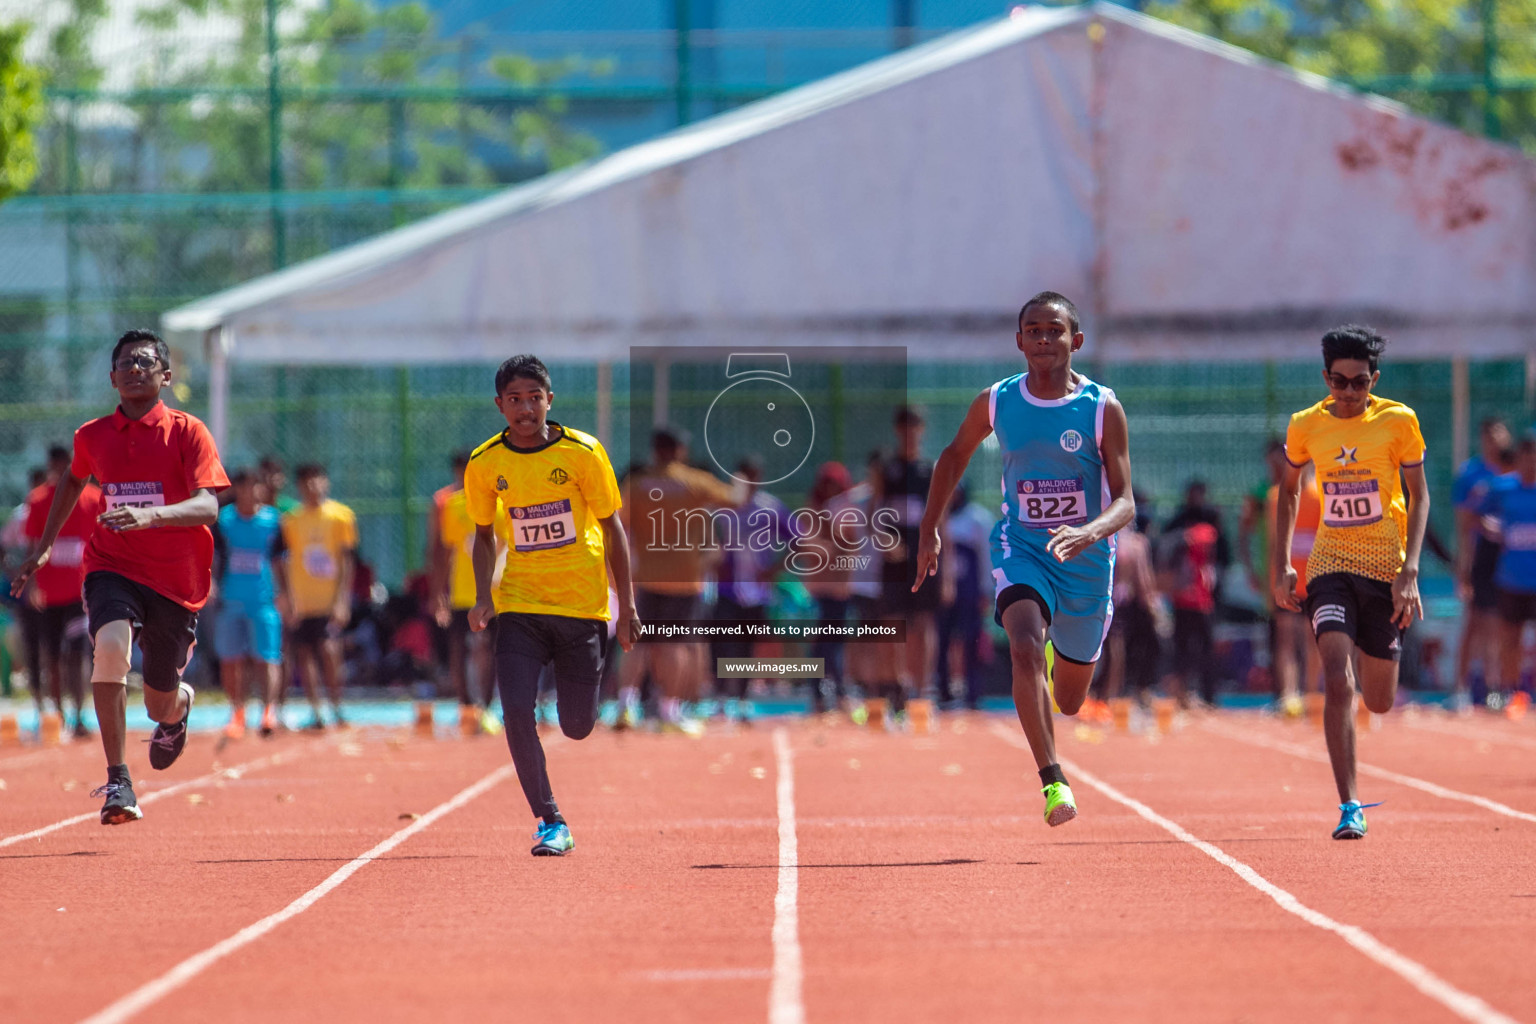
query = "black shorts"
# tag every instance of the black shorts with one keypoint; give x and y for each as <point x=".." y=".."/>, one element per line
<point x="312" y="632"/>
<point x="166" y="632"/>
<point x="1341" y="602"/>
<point x="1517" y="607"/>
<point x="61" y="625"/>
<point x="653" y="607"/>
<point x="573" y="647"/>
<point x="1485" y="562"/>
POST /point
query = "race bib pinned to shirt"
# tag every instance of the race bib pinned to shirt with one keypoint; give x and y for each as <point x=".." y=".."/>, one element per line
<point x="134" y="495"/>
<point x="1044" y="504"/>
<point x="245" y="562"/>
<point x="1351" y="503"/>
<point x="1520" y="537"/>
<point x="536" y="527"/>
<point x="318" y="562"/>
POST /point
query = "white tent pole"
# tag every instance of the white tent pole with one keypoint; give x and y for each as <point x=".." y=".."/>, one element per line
<point x="217" y="353"/>
<point x="605" y="403"/>
<point x="1461" y="411"/>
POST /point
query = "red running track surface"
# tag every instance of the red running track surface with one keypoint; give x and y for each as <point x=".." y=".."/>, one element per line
<point x="927" y="885"/>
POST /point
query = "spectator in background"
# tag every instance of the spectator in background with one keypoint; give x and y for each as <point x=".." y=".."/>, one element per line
<point x="1511" y="500"/>
<point x="830" y="545"/>
<point x="320" y="543"/>
<point x="903" y="488"/>
<point x="866" y="660"/>
<point x="745" y="576"/>
<point x="1191" y="557"/>
<point x="1133" y="650"/>
<point x="1298" y="666"/>
<point x="668" y="579"/>
<point x="56" y="593"/>
<point x="1253" y="531"/>
<point x="1477" y="558"/>
<point x="960" y="632"/>
<point x="273" y="479"/>
<point x="453" y="595"/>
<point x="13" y="540"/>
<point x="249" y="630"/>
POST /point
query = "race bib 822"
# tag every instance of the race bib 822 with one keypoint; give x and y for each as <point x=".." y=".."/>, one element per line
<point x="1047" y="503"/>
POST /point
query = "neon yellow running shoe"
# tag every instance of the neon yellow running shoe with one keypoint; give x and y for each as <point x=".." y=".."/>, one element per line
<point x="1060" y="808"/>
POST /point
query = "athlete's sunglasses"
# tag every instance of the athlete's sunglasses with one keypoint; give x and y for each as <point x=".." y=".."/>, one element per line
<point x="128" y="364"/>
<point x="1339" y="382"/>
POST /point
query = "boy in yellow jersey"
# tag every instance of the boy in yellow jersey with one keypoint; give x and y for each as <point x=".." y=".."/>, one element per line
<point x="453" y="589"/>
<point x="1363" y="571"/>
<point x="557" y="492"/>
<point x="319" y="542"/>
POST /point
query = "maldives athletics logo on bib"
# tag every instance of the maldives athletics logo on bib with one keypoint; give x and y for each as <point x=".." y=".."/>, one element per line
<point x="1071" y="440"/>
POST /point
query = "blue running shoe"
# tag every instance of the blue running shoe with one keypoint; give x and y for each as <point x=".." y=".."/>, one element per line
<point x="552" y="840"/>
<point x="1352" y="820"/>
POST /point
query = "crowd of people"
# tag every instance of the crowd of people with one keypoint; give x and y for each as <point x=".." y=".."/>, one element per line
<point x="294" y="608"/>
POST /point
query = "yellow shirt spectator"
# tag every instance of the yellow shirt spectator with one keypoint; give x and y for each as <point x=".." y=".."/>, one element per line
<point x="317" y="541"/>
<point x="457" y="531"/>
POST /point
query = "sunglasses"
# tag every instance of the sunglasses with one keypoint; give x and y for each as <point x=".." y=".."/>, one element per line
<point x="130" y="363"/>
<point x="1341" y="383"/>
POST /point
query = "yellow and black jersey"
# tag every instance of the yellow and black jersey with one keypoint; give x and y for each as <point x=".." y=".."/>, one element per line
<point x="552" y="497"/>
<point x="1364" y="512"/>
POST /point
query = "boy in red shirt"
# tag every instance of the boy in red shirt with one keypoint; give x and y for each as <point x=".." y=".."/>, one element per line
<point x="159" y="470"/>
<point x="57" y="587"/>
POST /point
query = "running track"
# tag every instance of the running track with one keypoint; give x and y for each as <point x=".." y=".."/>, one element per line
<point x="786" y="873"/>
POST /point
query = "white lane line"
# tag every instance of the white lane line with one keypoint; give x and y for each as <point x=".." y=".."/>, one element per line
<point x="1470" y="733"/>
<point x="234" y="772"/>
<point x="1422" y="785"/>
<point x="785" y="1002"/>
<point x="147" y="994"/>
<point x="29" y="757"/>
<point x="1463" y="1004"/>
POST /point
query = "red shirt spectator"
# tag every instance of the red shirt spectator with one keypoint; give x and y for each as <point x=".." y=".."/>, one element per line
<point x="162" y="458"/>
<point x="62" y="580"/>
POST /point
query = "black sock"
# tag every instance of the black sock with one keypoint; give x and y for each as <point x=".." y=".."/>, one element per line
<point x="1052" y="773"/>
<point x="118" y="773"/>
<point x="898" y="698"/>
<point x="554" y="819"/>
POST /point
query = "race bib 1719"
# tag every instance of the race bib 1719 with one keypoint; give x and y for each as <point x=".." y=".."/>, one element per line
<point x="1047" y="503"/>
<point x="135" y="495"/>
<point x="1351" y="503"/>
<point x="550" y="525"/>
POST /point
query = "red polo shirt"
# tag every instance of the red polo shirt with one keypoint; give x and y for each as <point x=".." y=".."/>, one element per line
<point x="60" y="580"/>
<point x="160" y="459"/>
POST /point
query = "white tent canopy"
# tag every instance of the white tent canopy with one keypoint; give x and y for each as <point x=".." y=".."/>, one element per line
<point x="1197" y="201"/>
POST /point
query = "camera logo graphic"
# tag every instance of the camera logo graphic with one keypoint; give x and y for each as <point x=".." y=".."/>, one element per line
<point x="759" y="417"/>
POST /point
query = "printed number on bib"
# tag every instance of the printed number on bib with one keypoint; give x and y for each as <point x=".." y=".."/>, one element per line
<point x="319" y="563"/>
<point x="1520" y="537"/>
<point x="550" y="525"/>
<point x="245" y="563"/>
<point x="1047" y="503"/>
<point x="138" y="495"/>
<point x="1351" y="503"/>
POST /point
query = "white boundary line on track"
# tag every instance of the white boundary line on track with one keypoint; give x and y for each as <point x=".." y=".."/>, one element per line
<point x="1468" y="731"/>
<point x="233" y="772"/>
<point x="1463" y="1004"/>
<point x="785" y="996"/>
<point x="150" y="992"/>
<point x="1422" y="785"/>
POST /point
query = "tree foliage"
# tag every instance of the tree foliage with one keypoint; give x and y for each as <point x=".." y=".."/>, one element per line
<point x="21" y="108"/>
<point x="1427" y="53"/>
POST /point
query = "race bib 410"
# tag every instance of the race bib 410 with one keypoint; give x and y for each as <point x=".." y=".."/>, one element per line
<point x="550" y="525"/>
<point x="1351" y="503"/>
<point x="1047" y="503"/>
<point x="136" y="495"/>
